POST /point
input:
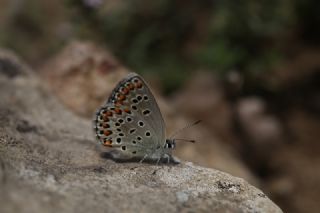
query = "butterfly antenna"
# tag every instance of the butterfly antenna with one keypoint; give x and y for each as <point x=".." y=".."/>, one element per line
<point x="186" y="140"/>
<point x="184" y="128"/>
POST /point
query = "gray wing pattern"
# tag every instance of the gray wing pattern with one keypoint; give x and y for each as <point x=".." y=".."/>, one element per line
<point x="131" y="120"/>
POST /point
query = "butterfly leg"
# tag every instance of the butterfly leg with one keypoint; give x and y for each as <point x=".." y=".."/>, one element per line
<point x="168" y="157"/>
<point x="175" y="160"/>
<point x="144" y="157"/>
<point x="158" y="160"/>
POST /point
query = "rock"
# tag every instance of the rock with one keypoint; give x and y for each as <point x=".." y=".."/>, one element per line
<point x="298" y="191"/>
<point x="209" y="150"/>
<point x="49" y="162"/>
<point x="260" y="126"/>
<point x="262" y="132"/>
<point x="82" y="76"/>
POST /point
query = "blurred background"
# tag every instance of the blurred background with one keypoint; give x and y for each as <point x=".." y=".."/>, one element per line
<point x="250" y="70"/>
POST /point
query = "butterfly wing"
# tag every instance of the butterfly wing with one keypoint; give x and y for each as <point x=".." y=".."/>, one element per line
<point x="131" y="120"/>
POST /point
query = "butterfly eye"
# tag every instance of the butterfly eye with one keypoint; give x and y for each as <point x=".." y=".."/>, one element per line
<point x="145" y="97"/>
<point x="118" y="140"/>
<point x="123" y="148"/>
<point x="139" y="138"/>
<point x="139" y="97"/>
<point x="120" y="120"/>
<point x="129" y="119"/>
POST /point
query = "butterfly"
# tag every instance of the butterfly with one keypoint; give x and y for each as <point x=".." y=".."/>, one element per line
<point x="131" y="122"/>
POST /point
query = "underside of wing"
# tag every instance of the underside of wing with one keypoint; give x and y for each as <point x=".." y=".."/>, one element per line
<point x="131" y="120"/>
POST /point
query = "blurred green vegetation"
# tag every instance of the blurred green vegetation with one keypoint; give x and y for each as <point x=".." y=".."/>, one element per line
<point x="173" y="36"/>
<point x="169" y="37"/>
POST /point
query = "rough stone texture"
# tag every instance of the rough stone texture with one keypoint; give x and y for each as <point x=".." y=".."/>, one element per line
<point x="49" y="162"/>
<point x="81" y="75"/>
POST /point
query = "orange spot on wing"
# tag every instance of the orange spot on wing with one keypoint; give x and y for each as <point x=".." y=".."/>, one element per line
<point x="118" y="111"/>
<point x="130" y="86"/>
<point x="107" y="132"/>
<point x="118" y="104"/>
<point x="121" y="97"/>
<point x="108" y="113"/>
<point x="108" y="143"/>
<point x="105" y="125"/>
<point x="127" y="110"/>
<point x="125" y="91"/>
<point x="139" y="85"/>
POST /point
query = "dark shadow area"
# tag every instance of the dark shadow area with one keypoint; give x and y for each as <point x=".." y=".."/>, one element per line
<point x="110" y="155"/>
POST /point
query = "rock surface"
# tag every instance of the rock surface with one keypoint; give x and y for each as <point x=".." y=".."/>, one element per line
<point x="81" y="75"/>
<point x="49" y="162"/>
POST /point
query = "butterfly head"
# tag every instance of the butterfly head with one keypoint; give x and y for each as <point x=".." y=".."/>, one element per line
<point x="170" y="144"/>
